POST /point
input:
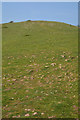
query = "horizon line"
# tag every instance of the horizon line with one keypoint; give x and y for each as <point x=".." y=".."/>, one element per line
<point x="36" y="21"/>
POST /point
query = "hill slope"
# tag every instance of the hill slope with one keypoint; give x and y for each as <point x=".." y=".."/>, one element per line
<point x="40" y="71"/>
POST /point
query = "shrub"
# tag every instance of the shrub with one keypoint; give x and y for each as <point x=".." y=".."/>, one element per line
<point x="28" y="20"/>
<point x="11" y="22"/>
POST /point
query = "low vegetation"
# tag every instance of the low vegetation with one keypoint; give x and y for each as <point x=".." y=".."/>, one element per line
<point x="40" y="70"/>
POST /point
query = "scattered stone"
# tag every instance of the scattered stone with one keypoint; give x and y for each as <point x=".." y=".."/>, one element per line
<point x="34" y="113"/>
<point x="27" y="115"/>
<point x="14" y="116"/>
<point x="42" y="113"/>
<point x="27" y="96"/>
<point x="46" y="66"/>
<point x="59" y="102"/>
<point x="14" y="80"/>
<point x="24" y="77"/>
<point x="53" y="58"/>
<point x="18" y="116"/>
<point x="60" y="66"/>
<point x="66" y="59"/>
<point x="11" y="98"/>
<point x="9" y="63"/>
<point x="62" y="56"/>
<point x="53" y="64"/>
<point x="27" y="109"/>
<point x="59" y="76"/>
<point x="32" y="77"/>
<point x="63" y="52"/>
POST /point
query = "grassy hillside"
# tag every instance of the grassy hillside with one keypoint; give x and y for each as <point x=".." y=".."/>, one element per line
<point x="40" y="70"/>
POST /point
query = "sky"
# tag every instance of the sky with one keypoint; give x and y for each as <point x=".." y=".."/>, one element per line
<point x="40" y="0"/>
<point x="66" y="12"/>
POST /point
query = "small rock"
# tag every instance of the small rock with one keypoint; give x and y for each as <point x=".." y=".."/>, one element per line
<point x="27" y="115"/>
<point x="53" y="64"/>
<point x="46" y="66"/>
<point x="62" y="56"/>
<point x="42" y="113"/>
<point x="34" y="113"/>
<point x="66" y="59"/>
<point x="24" y="76"/>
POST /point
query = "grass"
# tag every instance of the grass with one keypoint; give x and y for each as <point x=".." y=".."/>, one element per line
<point x="40" y="70"/>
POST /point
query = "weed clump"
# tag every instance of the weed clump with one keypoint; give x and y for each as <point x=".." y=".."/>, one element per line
<point x="11" y="22"/>
<point x="28" y="20"/>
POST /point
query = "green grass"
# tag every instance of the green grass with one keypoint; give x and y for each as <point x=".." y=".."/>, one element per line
<point x="30" y="80"/>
